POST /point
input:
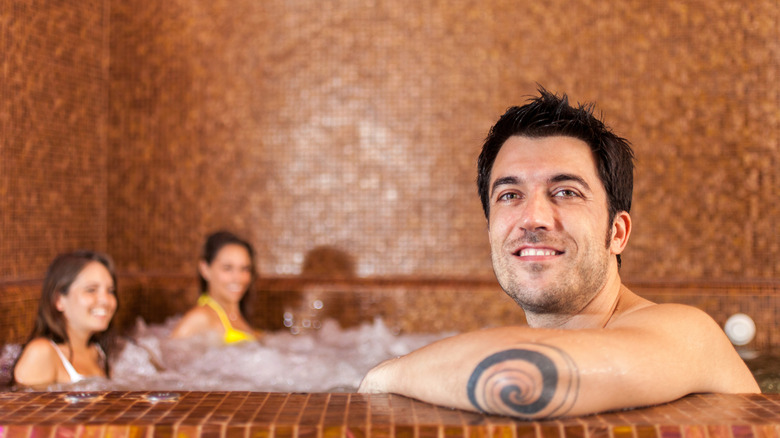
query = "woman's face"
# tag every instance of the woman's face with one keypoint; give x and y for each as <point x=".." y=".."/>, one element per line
<point x="90" y="302"/>
<point x="229" y="274"/>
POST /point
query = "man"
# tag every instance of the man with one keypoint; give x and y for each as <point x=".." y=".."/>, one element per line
<point x="556" y="187"/>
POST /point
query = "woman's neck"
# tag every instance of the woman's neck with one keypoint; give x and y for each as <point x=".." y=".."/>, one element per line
<point x="232" y="310"/>
<point x="78" y="340"/>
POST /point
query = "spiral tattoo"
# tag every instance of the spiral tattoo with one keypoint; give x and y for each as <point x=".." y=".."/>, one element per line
<point x="533" y="381"/>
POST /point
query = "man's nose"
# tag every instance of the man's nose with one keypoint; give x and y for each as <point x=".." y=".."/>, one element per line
<point x="537" y="213"/>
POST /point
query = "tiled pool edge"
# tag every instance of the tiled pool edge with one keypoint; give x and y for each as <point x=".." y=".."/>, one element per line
<point x="344" y="415"/>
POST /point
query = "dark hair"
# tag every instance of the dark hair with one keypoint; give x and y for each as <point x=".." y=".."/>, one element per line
<point x="62" y="272"/>
<point x="214" y="243"/>
<point x="549" y="115"/>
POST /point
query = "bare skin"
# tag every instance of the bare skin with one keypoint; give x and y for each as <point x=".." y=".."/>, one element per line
<point x="592" y="345"/>
<point x="40" y="366"/>
<point x="228" y="277"/>
<point x="88" y="308"/>
<point x="202" y="320"/>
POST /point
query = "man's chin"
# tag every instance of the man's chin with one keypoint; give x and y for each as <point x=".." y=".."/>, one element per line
<point x="536" y="300"/>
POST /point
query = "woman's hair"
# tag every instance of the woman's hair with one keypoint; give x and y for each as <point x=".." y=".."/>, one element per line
<point x="214" y="243"/>
<point x="50" y="323"/>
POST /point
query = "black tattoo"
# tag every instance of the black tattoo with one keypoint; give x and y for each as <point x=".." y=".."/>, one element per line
<point x="535" y="380"/>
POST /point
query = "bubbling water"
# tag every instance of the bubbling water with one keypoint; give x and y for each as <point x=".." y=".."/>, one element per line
<point x="330" y="359"/>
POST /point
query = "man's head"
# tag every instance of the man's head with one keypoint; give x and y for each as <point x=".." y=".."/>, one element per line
<point x="556" y="188"/>
<point x="549" y="115"/>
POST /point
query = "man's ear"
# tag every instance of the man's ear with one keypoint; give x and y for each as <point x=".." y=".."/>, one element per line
<point x="621" y="230"/>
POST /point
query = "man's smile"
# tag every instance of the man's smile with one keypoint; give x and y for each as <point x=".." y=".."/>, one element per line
<point x="536" y="252"/>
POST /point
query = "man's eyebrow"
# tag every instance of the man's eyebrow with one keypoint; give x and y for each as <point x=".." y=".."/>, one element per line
<point x="504" y="181"/>
<point x="564" y="177"/>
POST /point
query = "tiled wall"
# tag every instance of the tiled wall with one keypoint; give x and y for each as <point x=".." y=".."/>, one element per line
<point x="357" y="125"/>
<point x="53" y="125"/>
<point x="137" y="127"/>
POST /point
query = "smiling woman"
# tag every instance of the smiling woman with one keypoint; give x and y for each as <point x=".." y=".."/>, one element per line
<point x="70" y="339"/>
<point x="226" y="272"/>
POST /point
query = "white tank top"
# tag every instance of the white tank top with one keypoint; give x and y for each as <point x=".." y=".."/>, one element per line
<point x="72" y="373"/>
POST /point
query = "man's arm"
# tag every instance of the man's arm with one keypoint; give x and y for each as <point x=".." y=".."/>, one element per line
<point x="653" y="355"/>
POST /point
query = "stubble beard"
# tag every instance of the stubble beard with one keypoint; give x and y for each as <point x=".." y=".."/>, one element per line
<point x="566" y="294"/>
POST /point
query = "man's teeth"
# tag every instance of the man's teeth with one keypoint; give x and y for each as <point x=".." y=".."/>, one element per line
<point x="537" y="252"/>
<point x="99" y="312"/>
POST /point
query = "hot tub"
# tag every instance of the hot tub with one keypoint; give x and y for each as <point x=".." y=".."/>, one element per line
<point x="406" y="307"/>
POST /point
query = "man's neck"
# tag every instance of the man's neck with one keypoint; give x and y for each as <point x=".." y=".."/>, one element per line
<point x="597" y="313"/>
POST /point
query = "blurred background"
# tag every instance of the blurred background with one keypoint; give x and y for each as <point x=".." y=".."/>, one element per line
<point x="138" y="127"/>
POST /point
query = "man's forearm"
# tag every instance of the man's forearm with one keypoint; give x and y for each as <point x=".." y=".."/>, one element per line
<point x="529" y="381"/>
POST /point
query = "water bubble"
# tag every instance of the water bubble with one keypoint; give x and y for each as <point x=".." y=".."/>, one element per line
<point x="295" y="359"/>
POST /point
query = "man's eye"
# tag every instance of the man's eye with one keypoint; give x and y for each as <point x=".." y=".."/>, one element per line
<point x="566" y="193"/>
<point x="508" y="196"/>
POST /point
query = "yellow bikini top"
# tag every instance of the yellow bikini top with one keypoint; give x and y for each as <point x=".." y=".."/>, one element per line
<point x="232" y="335"/>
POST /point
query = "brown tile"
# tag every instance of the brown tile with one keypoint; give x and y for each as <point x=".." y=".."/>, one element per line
<point x="302" y="431"/>
<point x="284" y="431"/>
<point x="236" y="431"/>
<point x="507" y="431"/>
<point x="718" y="431"/>
<point x="742" y="431"/>
<point x="427" y="431"/>
<point x="404" y="431"/>
<point x="669" y="431"/>
<point x="526" y="431"/>
<point x="453" y="432"/>
<point x="381" y="431"/>
<point x="260" y="431"/>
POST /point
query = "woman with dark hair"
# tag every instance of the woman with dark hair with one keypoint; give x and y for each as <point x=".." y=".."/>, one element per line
<point x="70" y="340"/>
<point x="227" y="272"/>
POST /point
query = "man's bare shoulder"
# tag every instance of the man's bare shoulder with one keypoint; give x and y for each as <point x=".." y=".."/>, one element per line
<point x="653" y="314"/>
<point x="689" y="335"/>
<point x="633" y="310"/>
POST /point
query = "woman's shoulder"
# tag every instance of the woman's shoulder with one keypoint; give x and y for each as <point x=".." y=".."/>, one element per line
<point x="201" y="314"/>
<point x="40" y="347"/>
<point x="196" y="320"/>
<point x="37" y="364"/>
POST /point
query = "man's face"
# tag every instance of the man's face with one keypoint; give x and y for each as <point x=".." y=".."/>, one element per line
<point x="547" y="224"/>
